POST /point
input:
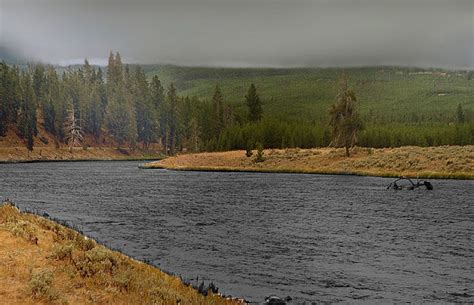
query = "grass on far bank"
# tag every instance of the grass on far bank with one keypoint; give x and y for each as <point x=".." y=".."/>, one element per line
<point x="42" y="262"/>
<point x="453" y="162"/>
<point x="21" y="154"/>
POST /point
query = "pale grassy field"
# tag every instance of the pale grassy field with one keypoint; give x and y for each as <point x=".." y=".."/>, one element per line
<point x="422" y="162"/>
<point x="42" y="262"/>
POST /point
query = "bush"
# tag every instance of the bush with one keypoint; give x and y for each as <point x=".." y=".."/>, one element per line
<point x="123" y="279"/>
<point x="84" y="243"/>
<point x="95" y="261"/>
<point x="248" y="150"/>
<point x="40" y="285"/>
<point x="61" y="252"/>
<point x="259" y="157"/>
<point x="24" y="230"/>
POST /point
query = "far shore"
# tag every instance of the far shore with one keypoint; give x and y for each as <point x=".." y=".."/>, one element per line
<point x="51" y="154"/>
<point x="443" y="162"/>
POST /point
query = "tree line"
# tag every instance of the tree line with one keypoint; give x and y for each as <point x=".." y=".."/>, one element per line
<point x="123" y="107"/>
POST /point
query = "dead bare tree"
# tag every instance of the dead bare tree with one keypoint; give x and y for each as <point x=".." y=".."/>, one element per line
<point x="73" y="129"/>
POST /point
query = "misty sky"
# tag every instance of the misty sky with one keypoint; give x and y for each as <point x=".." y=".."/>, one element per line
<point x="438" y="33"/>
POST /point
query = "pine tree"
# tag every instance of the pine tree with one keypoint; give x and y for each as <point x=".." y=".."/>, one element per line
<point x="217" y="112"/>
<point x="146" y="114"/>
<point x="172" y="101"/>
<point x="51" y="96"/>
<point x="39" y="78"/>
<point x="344" y="118"/>
<point x="120" y="114"/>
<point x="4" y="97"/>
<point x="27" y="122"/>
<point x="252" y="100"/>
<point x="460" y="116"/>
<point x="10" y="96"/>
<point x="159" y="102"/>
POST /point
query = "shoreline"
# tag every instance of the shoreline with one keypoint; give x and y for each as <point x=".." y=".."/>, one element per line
<point x="46" y="260"/>
<point x="80" y="160"/>
<point x="51" y="154"/>
<point x="458" y="162"/>
<point x="304" y="172"/>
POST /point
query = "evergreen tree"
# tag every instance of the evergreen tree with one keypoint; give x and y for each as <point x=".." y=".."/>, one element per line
<point x="39" y="78"/>
<point x="344" y="120"/>
<point x="217" y="112"/>
<point x="9" y="96"/>
<point x="120" y="114"/>
<point x="102" y="91"/>
<point x="146" y="114"/>
<point x="51" y="96"/>
<point x="158" y="99"/>
<point x="91" y="103"/>
<point x="27" y="118"/>
<point x="460" y="117"/>
<point x="114" y="69"/>
<point x="252" y="100"/>
<point x="172" y="101"/>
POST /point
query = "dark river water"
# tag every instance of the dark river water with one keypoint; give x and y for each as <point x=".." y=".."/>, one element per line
<point x="313" y="237"/>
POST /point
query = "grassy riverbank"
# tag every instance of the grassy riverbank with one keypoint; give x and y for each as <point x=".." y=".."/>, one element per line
<point x="456" y="162"/>
<point x="13" y="149"/>
<point x="21" y="154"/>
<point x="43" y="262"/>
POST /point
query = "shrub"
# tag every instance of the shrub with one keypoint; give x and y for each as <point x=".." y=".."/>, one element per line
<point x="94" y="261"/>
<point x="84" y="243"/>
<point x="248" y="150"/>
<point x="123" y="279"/>
<point x="259" y="157"/>
<point x="62" y="252"/>
<point x="40" y="285"/>
<point x="24" y="230"/>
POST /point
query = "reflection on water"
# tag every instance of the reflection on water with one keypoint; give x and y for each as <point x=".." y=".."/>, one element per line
<point x="313" y="237"/>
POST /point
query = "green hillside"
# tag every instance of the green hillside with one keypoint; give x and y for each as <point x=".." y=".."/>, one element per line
<point x="387" y="95"/>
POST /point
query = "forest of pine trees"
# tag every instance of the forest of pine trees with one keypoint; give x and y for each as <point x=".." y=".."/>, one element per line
<point x="123" y="106"/>
<point x="119" y="106"/>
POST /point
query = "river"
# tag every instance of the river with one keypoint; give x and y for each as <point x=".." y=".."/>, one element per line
<point x="316" y="238"/>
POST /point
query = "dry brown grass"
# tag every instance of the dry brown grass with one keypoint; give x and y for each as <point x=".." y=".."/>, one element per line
<point x="422" y="162"/>
<point x="13" y="149"/>
<point x="63" y="267"/>
<point x="21" y="154"/>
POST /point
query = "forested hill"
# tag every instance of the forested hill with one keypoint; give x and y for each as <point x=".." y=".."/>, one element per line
<point x="195" y="109"/>
<point x="385" y="94"/>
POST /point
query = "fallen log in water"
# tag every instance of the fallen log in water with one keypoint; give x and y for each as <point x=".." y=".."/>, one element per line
<point x="410" y="185"/>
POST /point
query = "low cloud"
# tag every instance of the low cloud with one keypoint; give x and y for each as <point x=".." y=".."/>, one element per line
<point x="244" y="33"/>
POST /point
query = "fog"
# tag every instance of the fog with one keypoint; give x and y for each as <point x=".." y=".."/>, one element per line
<point x="242" y="33"/>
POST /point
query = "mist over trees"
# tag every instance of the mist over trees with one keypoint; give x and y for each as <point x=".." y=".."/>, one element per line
<point x="122" y="107"/>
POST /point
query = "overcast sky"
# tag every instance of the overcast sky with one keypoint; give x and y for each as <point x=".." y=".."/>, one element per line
<point x="437" y="33"/>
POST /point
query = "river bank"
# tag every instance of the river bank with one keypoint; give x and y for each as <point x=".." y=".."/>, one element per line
<point x="49" y="154"/>
<point x="42" y="262"/>
<point x="47" y="148"/>
<point x="450" y="162"/>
